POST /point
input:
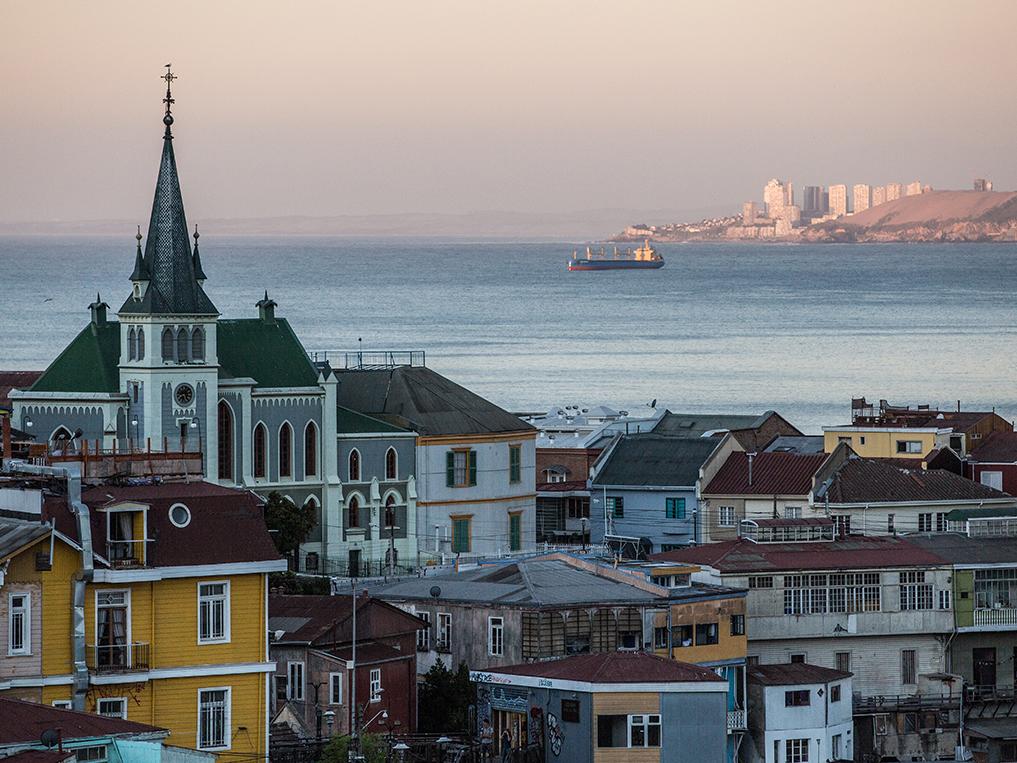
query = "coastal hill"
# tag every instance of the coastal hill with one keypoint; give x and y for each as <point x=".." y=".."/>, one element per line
<point x="931" y="216"/>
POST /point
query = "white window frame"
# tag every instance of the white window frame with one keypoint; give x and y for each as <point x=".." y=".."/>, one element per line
<point x="444" y="629"/>
<point x="799" y="755"/>
<point x="792" y="512"/>
<point x="291" y="685"/>
<point x="25" y="613"/>
<point x="991" y="478"/>
<point x="914" y="666"/>
<point x="376" y="688"/>
<point x="424" y="634"/>
<point x="225" y="597"/>
<point x="944" y="598"/>
<point x="335" y="680"/>
<point x="123" y="707"/>
<point x="61" y="704"/>
<point x="496" y="636"/>
<point x="127" y="602"/>
<point x="726" y="516"/>
<point x="228" y="721"/>
<point x="645" y="724"/>
<point x="101" y="758"/>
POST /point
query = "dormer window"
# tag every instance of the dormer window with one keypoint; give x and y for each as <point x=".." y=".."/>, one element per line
<point x="125" y="537"/>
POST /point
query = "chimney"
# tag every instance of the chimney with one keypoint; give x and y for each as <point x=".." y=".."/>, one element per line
<point x="5" y="423"/>
<point x="98" y="311"/>
<point x="266" y="309"/>
<point x="750" y="456"/>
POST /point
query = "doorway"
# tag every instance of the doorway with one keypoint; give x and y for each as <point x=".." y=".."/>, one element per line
<point x="983" y="661"/>
<point x="515" y="723"/>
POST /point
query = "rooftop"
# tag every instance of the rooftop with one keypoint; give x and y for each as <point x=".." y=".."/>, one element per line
<point x="866" y="480"/>
<point x="313" y="619"/>
<point x="695" y="424"/>
<point x="961" y="549"/>
<point x="657" y="460"/>
<point x="852" y="553"/>
<point x="770" y="474"/>
<point x="614" y="668"/>
<point x="15" y="380"/>
<point x="794" y="444"/>
<point x="23" y="723"/>
<point x="997" y="448"/>
<point x="793" y="674"/>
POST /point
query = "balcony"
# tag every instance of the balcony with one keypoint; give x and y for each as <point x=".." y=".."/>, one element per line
<point x="116" y="658"/>
<point x="736" y="720"/>
<point x="125" y="554"/>
<point x="996" y="616"/>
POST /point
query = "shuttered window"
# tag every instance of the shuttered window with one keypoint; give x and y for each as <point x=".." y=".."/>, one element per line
<point x="461" y="468"/>
<point x="515" y="463"/>
<point x="461" y="535"/>
<point x="515" y="532"/>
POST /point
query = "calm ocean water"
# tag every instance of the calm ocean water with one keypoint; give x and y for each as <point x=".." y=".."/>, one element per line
<point x="800" y="329"/>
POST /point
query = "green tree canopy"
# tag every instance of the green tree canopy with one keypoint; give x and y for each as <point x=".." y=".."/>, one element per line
<point x="444" y="699"/>
<point x="288" y="523"/>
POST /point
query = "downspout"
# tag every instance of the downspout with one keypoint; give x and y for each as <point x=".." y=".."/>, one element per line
<point x="72" y="475"/>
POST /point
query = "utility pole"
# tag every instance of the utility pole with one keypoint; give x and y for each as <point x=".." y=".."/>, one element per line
<point x="354" y="752"/>
<point x="391" y="543"/>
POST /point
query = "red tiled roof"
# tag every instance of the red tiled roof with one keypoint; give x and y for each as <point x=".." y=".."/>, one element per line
<point x="772" y="474"/>
<point x="561" y="487"/>
<point x="997" y="448"/>
<point x="613" y="668"/>
<point x="15" y="380"/>
<point x="790" y="674"/>
<point x="227" y="525"/>
<point x="23" y="722"/>
<point x="866" y="480"/>
<point x="852" y="553"/>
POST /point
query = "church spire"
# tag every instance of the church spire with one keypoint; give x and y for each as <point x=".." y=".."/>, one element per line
<point x="174" y="280"/>
<point x="199" y="274"/>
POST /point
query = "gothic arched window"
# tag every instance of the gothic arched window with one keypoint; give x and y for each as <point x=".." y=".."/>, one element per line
<point x="354" y="470"/>
<point x="260" y="452"/>
<point x="168" y="345"/>
<point x="391" y="465"/>
<point x="141" y="343"/>
<point x="310" y="449"/>
<point x="132" y="344"/>
<point x="286" y="450"/>
<point x="225" y="418"/>
<point x="354" y="511"/>
<point x="390" y="511"/>
<point x="198" y="344"/>
<point x="183" y="344"/>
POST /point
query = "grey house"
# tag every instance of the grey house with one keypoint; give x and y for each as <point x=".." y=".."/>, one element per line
<point x="643" y="492"/>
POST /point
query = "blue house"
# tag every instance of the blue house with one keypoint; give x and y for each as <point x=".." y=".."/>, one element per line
<point x="643" y="492"/>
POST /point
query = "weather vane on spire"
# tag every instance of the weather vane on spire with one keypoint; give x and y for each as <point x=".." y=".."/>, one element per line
<point x="169" y="76"/>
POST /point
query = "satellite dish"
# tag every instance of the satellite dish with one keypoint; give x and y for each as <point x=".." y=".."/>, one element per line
<point x="435" y="591"/>
<point x="50" y="738"/>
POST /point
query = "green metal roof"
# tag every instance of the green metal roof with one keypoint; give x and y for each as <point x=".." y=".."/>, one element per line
<point x="961" y="515"/>
<point x="351" y="422"/>
<point x="87" y="364"/>
<point x="268" y="352"/>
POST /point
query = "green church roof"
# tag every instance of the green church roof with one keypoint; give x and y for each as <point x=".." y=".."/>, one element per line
<point x="266" y="351"/>
<point x="350" y="422"/>
<point x="87" y="364"/>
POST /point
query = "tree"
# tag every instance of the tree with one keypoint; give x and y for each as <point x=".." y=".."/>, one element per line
<point x="372" y="747"/>
<point x="444" y="699"/>
<point x="288" y="523"/>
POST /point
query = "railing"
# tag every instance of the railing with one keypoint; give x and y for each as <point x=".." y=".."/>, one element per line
<point x="126" y="554"/>
<point x="373" y="359"/>
<point x="996" y="616"/>
<point x="736" y="720"/>
<point x="885" y="703"/>
<point x="117" y="658"/>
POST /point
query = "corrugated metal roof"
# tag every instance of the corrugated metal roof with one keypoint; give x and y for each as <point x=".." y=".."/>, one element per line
<point x="772" y="474"/>
<point x="697" y="423"/>
<point x="657" y="460"/>
<point x="614" y="668"/>
<point x="998" y="447"/>
<point x="792" y="674"/>
<point x="960" y="549"/>
<point x="865" y="480"/>
<point x="16" y="534"/>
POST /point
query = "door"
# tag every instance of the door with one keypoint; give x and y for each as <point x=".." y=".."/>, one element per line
<point x="983" y="661"/>
<point x="515" y="724"/>
<point x="354" y="563"/>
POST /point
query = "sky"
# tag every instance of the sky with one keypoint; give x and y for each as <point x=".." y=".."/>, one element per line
<point x="334" y="108"/>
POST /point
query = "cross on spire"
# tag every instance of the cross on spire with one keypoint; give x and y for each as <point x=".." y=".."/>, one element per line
<point x="169" y="76"/>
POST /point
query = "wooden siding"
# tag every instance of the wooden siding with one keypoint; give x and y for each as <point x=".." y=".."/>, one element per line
<point x="546" y="634"/>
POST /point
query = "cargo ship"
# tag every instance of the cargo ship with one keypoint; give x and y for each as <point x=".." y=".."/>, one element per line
<point x="643" y="258"/>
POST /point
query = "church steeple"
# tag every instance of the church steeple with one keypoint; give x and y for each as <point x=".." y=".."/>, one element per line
<point x="173" y="273"/>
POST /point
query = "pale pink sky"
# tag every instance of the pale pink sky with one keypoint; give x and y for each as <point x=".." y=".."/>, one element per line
<point x="326" y="108"/>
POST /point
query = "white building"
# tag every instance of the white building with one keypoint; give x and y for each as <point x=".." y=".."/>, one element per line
<point x="799" y="712"/>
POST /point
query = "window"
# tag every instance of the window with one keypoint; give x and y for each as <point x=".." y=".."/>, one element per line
<point x="179" y="515"/>
<point x="616" y="506"/>
<point x="335" y="688"/>
<point x="761" y="581"/>
<point x="461" y="468"/>
<point x="515" y="532"/>
<point x="168" y="345"/>
<point x="310" y="449"/>
<point x="835" y="693"/>
<point x="390" y="517"/>
<point x="842" y="524"/>
<point x="62" y="704"/>
<point x="225" y="422"/>
<point x="909" y="446"/>
<point x="295" y="680"/>
<point x="910" y="723"/>
<point x="354" y="512"/>
<point x="353" y="467"/>
<point x="836" y="747"/>
<point x="95" y="754"/>
<point x="141" y="344"/>
<point x="752" y="659"/>
<point x="460" y="535"/>
<point x="796" y="751"/>
<point x="375" y="684"/>
<point x="213" y="612"/>
<point x="183" y="344"/>
<point x="706" y="633"/>
<point x="925" y="523"/>
<point x="993" y="479"/>
<point x="132" y="344"/>
<point x="260" y="452"/>
<point x="915" y="593"/>
<point x="112" y="708"/>
<point x="908" y="666"/>
<point x="944" y="598"/>
<point x="842" y="661"/>
<point x="444" y="632"/>
<point x="660" y="638"/>
<point x="644" y="731"/>
<point x="214" y="718"/>
<point x="112" y="626"/>
<point x="832" y="593"/>
<point x="424" y="633"/>
<point x="496" y="636"/>
<point x="612" y="730"/>
<point x="727" y="516"/>
<point x="798" y="698"/>
<point x="797" y="657"/>
<point x="285" y="450"/>
<point x="570" y="710"/>
<point x="515" y="463"/>
<point x="889" y="524"/>
<point x="792" y="512"/>
<point x="737" y="625"/>
<point x="674" y="508"/>
<point x="941" y="523"/>
<point x="198" y="344"/>
<point x="19" y="624"/>
<point x="391" y="464"/>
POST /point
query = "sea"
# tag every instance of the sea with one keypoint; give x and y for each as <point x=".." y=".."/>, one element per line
<point x="800" y="329"/>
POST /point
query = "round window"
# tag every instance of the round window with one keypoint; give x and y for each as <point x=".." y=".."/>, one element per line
<point x="179" y="515"/>
<point x="184" y="394"/>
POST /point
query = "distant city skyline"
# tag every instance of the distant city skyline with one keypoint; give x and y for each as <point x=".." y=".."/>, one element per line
<point x="333" y="109"/>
